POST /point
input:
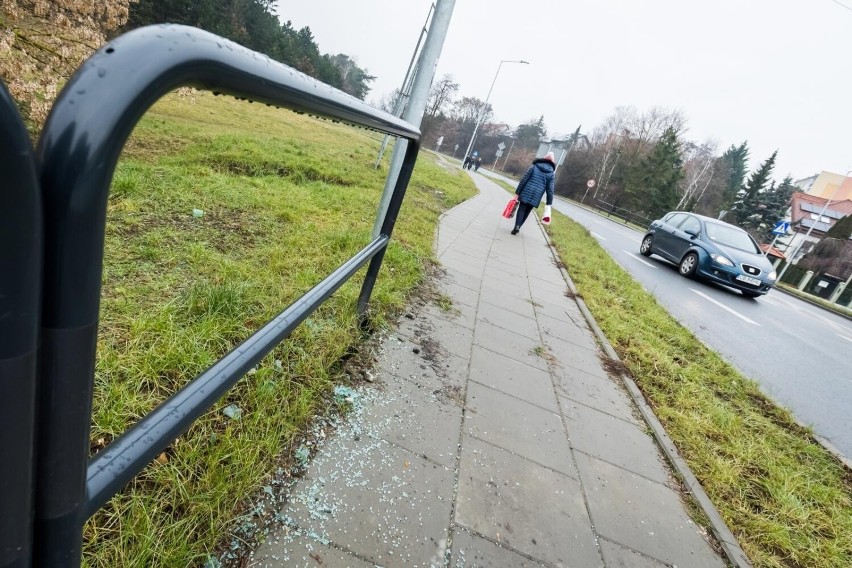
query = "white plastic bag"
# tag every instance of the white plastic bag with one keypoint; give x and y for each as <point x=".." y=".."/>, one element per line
<point x="546" y="217"/>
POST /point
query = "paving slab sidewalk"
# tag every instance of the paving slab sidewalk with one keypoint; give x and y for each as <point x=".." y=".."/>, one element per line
<point x="493" y="435"/>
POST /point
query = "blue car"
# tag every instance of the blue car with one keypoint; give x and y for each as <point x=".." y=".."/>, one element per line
<point x="710" y="249"/>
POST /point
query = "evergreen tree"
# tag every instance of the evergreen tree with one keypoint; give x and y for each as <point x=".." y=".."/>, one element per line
<point x="354" y="80"/>
<point x="751" y="200"/>
<point x="735" y="163"/>
<point x="652" y="185"/>
<point x="572" y="140"/>
<point x="775" y="203"/>
<point x="842" y="229"/>
<point x="529" y="135"/>
<point x="254" y="24"/>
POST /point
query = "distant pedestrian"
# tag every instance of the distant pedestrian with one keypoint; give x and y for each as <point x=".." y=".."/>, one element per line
<point x="536" y="181"/>
<point x="473" y="157"/>
<point x="466" y="163"/>
<point x="477" y="164"/>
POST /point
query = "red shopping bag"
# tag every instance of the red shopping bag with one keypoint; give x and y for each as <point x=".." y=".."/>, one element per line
<point x="511" y="207"/>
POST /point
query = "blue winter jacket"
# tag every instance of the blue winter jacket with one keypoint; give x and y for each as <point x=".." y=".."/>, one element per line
<point x="536" y="181"/>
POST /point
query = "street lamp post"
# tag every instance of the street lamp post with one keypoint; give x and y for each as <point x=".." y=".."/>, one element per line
<point x="509" y="153"/>
<point x="485" y="106"/>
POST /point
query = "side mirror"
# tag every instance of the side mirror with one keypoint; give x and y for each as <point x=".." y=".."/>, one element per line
<point x="692" y="233"/>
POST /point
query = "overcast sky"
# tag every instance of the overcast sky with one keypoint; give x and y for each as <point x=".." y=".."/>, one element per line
<point x="777" y="73"/>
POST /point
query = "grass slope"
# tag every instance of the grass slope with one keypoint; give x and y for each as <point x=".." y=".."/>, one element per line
<point x="788" y="501"/>
<point x="286" y="199"/>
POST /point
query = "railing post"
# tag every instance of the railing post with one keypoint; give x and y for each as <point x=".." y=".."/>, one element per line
<point x="806" y="279"/>
<point x="388" y="225"/>
<point x="20" y="288"/>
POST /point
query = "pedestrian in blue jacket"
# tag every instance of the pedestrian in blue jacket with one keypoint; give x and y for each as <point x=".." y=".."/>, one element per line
<point x="537" y="181"/>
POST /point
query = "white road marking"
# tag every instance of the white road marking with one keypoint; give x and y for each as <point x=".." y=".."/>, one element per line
<point x="646" y="263"/>
<point x="724" y="307"/>
<point x="770" y="300"/>
<point x="849" y="339"/>
<point x="807" y="312"/>
<point x="597" y="236"/>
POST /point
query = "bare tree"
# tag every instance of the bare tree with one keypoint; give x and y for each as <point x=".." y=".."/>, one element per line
<point x="387" y="102"/>
<point x="698" y="161"/>
<point x="441" y="95"/>
<point x="468" y="109"/>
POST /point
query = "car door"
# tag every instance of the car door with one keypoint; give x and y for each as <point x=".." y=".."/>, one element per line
<point x="682" y="238"/>
<point x="665" y="234"/>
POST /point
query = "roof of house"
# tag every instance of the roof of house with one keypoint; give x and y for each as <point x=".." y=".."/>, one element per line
<point x="773" y="251"/>
<point x="803" y="205"/>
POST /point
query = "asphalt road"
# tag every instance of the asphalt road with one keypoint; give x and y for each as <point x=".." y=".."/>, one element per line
<point x="800" y="354"/>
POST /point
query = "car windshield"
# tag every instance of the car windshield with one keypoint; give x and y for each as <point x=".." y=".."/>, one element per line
<point x="729" y="236"/>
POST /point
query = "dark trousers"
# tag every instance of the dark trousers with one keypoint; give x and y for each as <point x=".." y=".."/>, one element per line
<point x="524" y="210"/>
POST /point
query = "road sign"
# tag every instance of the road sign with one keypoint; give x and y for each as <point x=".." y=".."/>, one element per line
<point x="590" y="184"/>
<point x="499" y="153"/>
<point x="501" y="145"/>
<point x="781" y="228"/>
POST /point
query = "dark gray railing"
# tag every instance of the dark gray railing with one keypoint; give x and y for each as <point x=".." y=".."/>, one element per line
<point x="77" y="154"/>
<point x="625" y="215"/>
<point x="20" y="287"/>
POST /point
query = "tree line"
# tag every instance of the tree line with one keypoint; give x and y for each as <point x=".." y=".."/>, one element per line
<point x="255" y="25"/>
<point x="453" y="119"/>
<point x="641" y="161"/>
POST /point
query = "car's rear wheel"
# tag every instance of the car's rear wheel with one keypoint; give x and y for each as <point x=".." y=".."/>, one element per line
<point x="645" y="247"/>
<point x="688" y="264"/>
<point x="750" y="294"/>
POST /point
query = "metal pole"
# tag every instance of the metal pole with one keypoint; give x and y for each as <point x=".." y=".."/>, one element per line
<point x="481" y="114"/>
<point x="507" y="155"/>
<point x="406" y="86"/>
<point x="417" y="103"/>
<point x="766" y="253"/>
<point x="389" y="220"/>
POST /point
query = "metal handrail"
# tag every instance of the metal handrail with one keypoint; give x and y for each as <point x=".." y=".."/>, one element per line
<point x="20" y="288"/>
<point x="626" y="215"/>
<point x="78" y="151"/>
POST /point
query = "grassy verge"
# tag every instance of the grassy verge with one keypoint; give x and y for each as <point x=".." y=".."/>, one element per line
<point x="285" y="199"/>
<point x="788" y="501"/>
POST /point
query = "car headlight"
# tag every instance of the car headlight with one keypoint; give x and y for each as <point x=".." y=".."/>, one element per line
<point x="772" y="275"/>
<point x="723" y="260"/>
